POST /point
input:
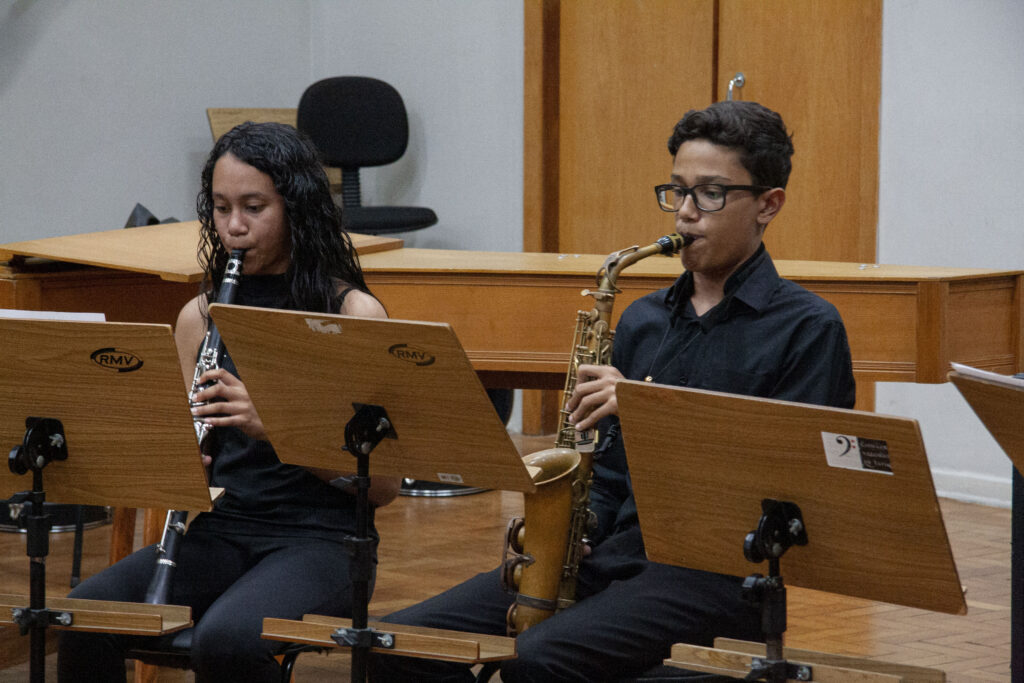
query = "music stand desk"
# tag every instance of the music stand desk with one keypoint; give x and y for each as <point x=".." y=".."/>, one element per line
<point x="306" y="372"/>
<point x="111" y="400"/>
<point x="1000" y="407"/>
<point x="702" y="462"/>
<point x="998" y="402"/>
<point x="313" y="376"/>
<point x="107" y="616"/>
<point x="119" y="392"/>
<point x="409" y="641"/>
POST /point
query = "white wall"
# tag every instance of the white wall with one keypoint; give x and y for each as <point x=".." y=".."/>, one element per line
<point x="103" y="104"/>
<point x="458" y="65"/>
<point x="951" y="167"/>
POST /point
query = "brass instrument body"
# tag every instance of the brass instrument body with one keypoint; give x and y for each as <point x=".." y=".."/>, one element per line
<point x="542" y="566"/>
<point x="553" y="471"/>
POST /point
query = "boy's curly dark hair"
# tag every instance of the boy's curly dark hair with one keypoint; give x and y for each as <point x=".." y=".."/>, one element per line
<point x="757" y="132"/>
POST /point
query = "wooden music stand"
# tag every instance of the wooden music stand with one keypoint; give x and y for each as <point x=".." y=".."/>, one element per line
<point x="403" y="390"/>
<point x="103" y="404"/>
<point x="870" y="524"/>
<point x="998" y="401"/>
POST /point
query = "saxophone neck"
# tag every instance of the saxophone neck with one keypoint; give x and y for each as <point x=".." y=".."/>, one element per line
<point x="616" y="262"/>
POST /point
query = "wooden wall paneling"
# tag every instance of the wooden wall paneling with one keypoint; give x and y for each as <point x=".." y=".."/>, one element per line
<point x="819" y="65"/>
<point x="540" y="125"/>
<point x="604" y="83"/>
<point x="1017" y="323"/>
<point x="628" y="71"/>
<point x="932" y="318"/>
<point x="540" y="166"/>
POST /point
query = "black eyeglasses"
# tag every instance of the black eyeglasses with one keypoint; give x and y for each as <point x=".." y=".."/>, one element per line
<point x="708" y="197"/>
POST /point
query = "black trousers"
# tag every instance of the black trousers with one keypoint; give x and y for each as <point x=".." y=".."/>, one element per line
<point x="629" y="614"/>
<point x="231" y="582"/>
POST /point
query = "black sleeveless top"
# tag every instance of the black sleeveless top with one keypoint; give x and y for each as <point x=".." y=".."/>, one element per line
<point x="262" y="495"/>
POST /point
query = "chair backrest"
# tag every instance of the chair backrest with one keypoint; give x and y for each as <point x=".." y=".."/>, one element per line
<point x="224" y="119"/>
<point x="354" y="121"/>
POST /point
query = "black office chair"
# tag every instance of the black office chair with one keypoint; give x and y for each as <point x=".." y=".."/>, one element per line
<point x="357" y="122"/>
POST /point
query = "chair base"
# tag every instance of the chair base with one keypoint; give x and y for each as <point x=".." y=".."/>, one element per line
<point x="62" y="517"/>
<point x="171" y="651"/>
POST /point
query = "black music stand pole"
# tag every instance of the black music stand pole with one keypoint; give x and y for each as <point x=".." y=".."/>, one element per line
<point x="781" y="526"/>
<point x="1017" y="573"/>
<point x="363" y="432"/>
<point x="44" y="442"/>
<point x="1017" y="579"/>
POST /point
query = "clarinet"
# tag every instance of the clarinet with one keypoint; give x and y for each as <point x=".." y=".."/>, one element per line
<point x="210" y="355"/>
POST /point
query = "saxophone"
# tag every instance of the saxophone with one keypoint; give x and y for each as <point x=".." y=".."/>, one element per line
<point x="541" y="567"/>
<point x="209" y="359"/>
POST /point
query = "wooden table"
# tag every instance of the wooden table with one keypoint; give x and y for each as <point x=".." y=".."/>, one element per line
<point x="515" y="312"/>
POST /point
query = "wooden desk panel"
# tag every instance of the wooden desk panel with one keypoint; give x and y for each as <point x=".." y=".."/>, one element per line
<point x="121" y="296"/>
<point x="168" y="250"/>
<point x="144" y="274"/>
<point x="514" y="312"/>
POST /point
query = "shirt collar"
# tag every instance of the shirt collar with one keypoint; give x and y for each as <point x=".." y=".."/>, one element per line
<point x="752" y="283"/>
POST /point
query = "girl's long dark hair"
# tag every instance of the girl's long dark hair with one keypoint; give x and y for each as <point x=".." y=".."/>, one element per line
<point x="322" y="256"/>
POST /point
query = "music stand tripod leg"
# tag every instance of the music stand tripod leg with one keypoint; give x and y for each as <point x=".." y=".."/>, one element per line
<point x="367" y="428"/>
<point x="780" y="527"/>
<point x="43" y="442"/>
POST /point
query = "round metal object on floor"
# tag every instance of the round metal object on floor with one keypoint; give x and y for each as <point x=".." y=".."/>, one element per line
<point x="421" y="487"/>
<point x="62" y="517"/>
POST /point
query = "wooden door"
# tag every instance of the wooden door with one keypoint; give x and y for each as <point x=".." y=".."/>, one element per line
<point x="819" y="65"/>
<point x="611" y="81"/>
<point x="606" y="82"/>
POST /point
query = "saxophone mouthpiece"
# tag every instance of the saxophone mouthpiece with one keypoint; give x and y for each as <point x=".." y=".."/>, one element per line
<point x="687" y="240"/>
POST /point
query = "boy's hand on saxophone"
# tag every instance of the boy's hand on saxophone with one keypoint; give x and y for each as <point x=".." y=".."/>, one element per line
<point x="594" y="397"/>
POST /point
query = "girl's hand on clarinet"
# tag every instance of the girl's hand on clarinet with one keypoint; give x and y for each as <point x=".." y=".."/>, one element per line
<point x="228" y="404"/>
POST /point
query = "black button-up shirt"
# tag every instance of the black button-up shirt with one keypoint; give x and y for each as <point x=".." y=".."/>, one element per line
<point x="768" y="337"/>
